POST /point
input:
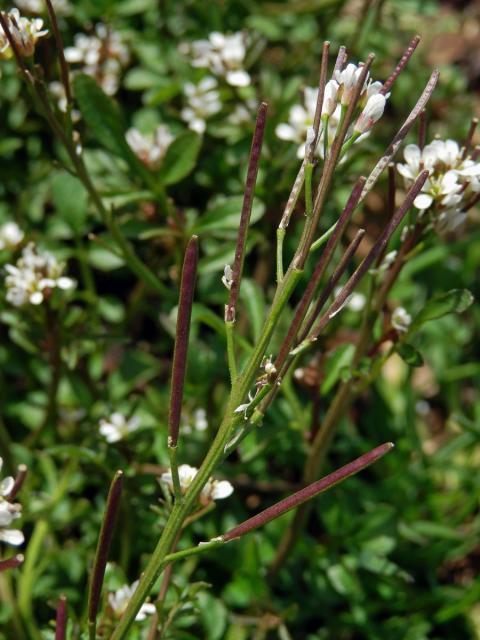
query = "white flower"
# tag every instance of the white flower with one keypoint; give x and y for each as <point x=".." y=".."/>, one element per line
<point x="213" y="489"/>
<point x="117" y="427"/>
<point x="32" y="278"/>
<point x="8" y="512"/>
<point x="119" y="600"/>
<point x="200" y="421"/>
<point x="57" y="90"/>
<point x="330" y="98"/>
<point x="355" y="301"/>
<point x="227" y="277"/>
<point x="452" y="182"/>
<point x="223" y="55"/>
<point x="401" y="320"/>
<point x="10" y="235"/>
<point x="150" y="149"/>
<point x="62" y="7"/>
<point x="347" y="80"/>
<point x="102" y="56"/>
<point x="25" y="33"/>
<point x="268" y="366"/>
<point x="372" y="112"/>
<point x="203" y="101"/>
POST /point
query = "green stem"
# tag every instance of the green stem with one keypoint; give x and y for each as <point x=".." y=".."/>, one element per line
<point x="215" y="454"/>
<point x="232" y="364"/>
<point x="280" y="239"/>
<point x="177" y="490"/>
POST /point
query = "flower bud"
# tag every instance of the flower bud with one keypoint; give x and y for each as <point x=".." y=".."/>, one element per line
<point x="372" y="112"/>
<point x="330" y="98"/>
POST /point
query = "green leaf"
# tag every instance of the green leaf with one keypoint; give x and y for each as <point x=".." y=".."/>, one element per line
<point x="70" y="199"/>
<point x="226" y="215"/>
<point x="338" y="361"/>
<point x="409" y="354"/>
<point x="253" y="298"/>
<point x="105" y="122"/>
<point x="181" y="157"/>
<point x="343" y="580"/>
<point x="454" y="301"/>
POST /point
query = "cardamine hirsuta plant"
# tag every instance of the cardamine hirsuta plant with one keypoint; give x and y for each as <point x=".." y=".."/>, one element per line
<point x="440" y="182"/>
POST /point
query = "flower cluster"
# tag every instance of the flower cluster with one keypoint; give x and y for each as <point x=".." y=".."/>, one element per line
<point x="102" y="56"/>
<point x="8" y="512"/>
<point x="10" y="235"/>
<point x="454" y="179"/>
<point x="119" y="600"/>
<point x="25" y="33"/>
<point x="338" y="95"/>
<point x="32" y="279"/>
<point x="203" y="101"/>
<point x="223" y="55"/>
<point x="150" y="149"/>
<point x="117" y="426"/>
<point x="213" y="490"/>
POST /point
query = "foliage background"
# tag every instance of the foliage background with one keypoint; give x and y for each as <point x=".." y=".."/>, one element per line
<point x="393" y="552"/>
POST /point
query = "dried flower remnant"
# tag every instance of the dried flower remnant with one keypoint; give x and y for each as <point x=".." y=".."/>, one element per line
<point x="8" y="513"/>
<point x="227" y="277"/>
<point x="10" y="235"/>
<point x="25" y="33"/>
<point x="454" y="180"/>
<point x="117" y="427"/>
<point x="203" y="101"/>
<point x="34" y="277"/>
<point x="119" y="600"/>
<point x="213" y="489"/>
<point x="102" y="56"/>
<point x="223" y="55"/>
<point x="401" y="320"/>
<point x="150" y="149"/>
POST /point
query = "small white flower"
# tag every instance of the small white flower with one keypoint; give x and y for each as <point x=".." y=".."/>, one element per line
<point x="203" y="101"/>
<point x="330" y="98"/>
<point x="150" y="149"/>
<point x="34" y="276"/>
<point x="348" y="79"/>
<point x="119" y="600"/>
<point x="401" y="320"/>
<point x="372" y="112"/>
<point x="102" y="56"/>
<point x="386" y="263"/>
<point x="117" y="426"/>
<point x="223" y="55"/>
<point x="452" y="182"/>
<point x="8" y="513"/>
<point x="25" y="33"/>
<point x="268" y="365"/>
<point x="213" y="489"/>
<point x="10" y="235"/>
<point x="62" y="7"/>
<point x="227" y="277"/>
<point x="200" y="421"/>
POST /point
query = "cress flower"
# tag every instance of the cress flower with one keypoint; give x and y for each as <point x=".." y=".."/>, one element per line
<point x="25" y="33"/>
<point x="8" y="512"/>
<point x="150" y="149"/>
<point x="102" y="56"/>
<point x="223" y="55"/>
<point x="10" y="235"/>
<point x="213" y="489"/>
<point x="117" y="426"/>
<point x="401" y="320"/>
<point x="34" y="277"/>
<point x="203" y="101"/>
<point x="119" y="600"/>
<point x="338" y="94"/>
<point x="452" y="182"/>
